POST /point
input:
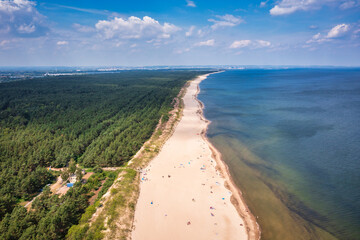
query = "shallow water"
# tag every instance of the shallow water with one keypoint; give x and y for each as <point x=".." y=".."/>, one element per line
<point x="291" y="139"/>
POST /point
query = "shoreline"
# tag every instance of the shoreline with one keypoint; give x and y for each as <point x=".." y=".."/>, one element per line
<point x="253" y="228"/>
<point x="186" y="202"/>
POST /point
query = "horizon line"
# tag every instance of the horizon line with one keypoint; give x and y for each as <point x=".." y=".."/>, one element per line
<point x="174" y="66"/>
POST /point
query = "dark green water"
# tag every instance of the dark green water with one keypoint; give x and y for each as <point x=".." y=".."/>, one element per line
<point x="291" y="139"/>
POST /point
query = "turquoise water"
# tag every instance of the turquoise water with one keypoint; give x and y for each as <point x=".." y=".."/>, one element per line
<point x="291" y="139"/>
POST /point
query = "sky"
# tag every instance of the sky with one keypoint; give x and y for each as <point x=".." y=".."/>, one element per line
<point x="179" y="32"/>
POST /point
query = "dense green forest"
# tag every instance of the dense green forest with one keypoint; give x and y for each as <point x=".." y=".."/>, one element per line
<point x="97" y="120"/>
<point x="52" y="216"/>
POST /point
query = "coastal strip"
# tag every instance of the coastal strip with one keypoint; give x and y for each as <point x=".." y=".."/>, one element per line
<point x="253" y="228"/>
<point x="186" y="190"/>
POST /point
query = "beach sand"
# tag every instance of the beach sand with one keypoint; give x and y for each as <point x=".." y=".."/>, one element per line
<point x="183" y="193"/>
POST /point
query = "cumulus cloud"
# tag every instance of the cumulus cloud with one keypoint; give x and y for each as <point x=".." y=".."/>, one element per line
<point x="190" y="3"/>
<point x="16" y="5"/>
<point x="249" y="43"/>
<point x="62" y="43"/>
<point x="336" y="32"/>
<point x="290" y="6"/>
<point x="20" y="18"/>
<point x="240" y="44"/>
<point x="284" y="7"/>
<point x="134" y="28"/>
<point x="278" y="10"/>
<point x="227" y="20"/>
<point x="210" y="42"/>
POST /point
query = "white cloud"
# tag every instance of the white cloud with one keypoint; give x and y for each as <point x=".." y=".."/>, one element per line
<point x="16" y="5"/>
<point x="227" y="20"/>
<point x="181" y="51"/>
<point x="88" y="10"/>
<point x="349" y="4"/>
<point x="262" y="43"/>
<point x="338" y="31"/>
<point x="277" y="10"/>
<point x="190" y="3"/>
<point x="263" y="4"/>
<point x="118" y="44"/>
<point x="317" y="38"/>
<point x="83" y="29"/>
<point x="62" y="43"/>
<point x="240" y="44"/>
<point x="356" y="35"/>
<point x="210" y="42"/>
<point x="20" y="18"/>
<point x="357" y="31"/>
<point x="249" y="43"/>
<point x="4" y="42"/>
<point x="200" y="33"/>
<point x="26" y="28"/>
<point x="134" y="27"/>
<point x="284" y="7"/>
<point x="290" y="6"/>
<point x="190" y="32"/>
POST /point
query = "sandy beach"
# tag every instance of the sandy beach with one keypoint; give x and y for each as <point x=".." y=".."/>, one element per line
<point x="186" y="191"/>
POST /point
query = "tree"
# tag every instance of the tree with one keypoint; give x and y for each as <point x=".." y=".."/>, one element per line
<point x="65" y="175"/>
<point x="72" y="166"/>
<point x="97" y="169"/>
<point x="7" y="203"/>
<point x="95" y="120"/>
<point x="79" y="174"/>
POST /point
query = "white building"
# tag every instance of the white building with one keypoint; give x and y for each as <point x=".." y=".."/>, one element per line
<point x="72" y="178"/>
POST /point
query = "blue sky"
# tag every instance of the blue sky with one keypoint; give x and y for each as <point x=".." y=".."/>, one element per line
<point x="179" y="32"/>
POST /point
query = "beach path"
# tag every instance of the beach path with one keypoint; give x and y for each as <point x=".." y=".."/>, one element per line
<point x="182" y="194"/>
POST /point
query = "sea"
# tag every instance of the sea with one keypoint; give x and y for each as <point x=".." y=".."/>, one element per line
<point x="291" y="139"/>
